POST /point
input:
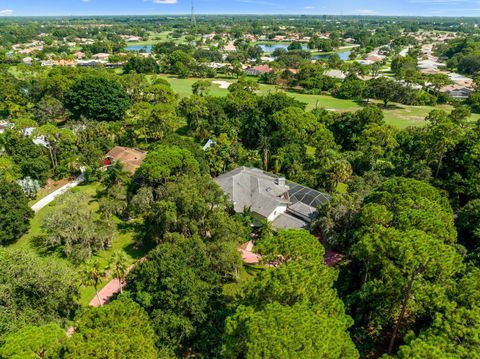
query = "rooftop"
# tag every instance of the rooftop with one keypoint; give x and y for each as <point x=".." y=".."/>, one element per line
<point x="130" y="158"/>
<point x="265" y="194"/>
<point x="252" y="188"/>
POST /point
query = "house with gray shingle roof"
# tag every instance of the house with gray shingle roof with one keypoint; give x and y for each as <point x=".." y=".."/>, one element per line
<point x="285" y="204"/>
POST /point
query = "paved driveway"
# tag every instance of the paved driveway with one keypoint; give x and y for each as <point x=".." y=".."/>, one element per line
<point x="45" y="201"/>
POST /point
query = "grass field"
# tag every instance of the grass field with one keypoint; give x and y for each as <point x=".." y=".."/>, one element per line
<point x="398" y="115"/>
<point x="124" y="239"/>
<point x="156" y="37"/>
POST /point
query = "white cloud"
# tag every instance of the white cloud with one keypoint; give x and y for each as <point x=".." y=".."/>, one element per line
<point x="6" y="12"/>
<point x="309" y="7"/>
<point x="85" y="0"/>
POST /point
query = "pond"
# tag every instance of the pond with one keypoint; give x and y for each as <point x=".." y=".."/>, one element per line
<point x="273" y="47"/>
<point x="138" y="48"/>
<point x="267" y="48"/>
<point x="343" y="56"/>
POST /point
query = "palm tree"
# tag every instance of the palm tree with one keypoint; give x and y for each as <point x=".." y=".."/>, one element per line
<point x="118" y="264"/>
<point x="92" y="273"/>
<point x="115" y="174"/>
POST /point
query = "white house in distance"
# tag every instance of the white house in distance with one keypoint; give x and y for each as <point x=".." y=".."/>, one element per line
<point x="285" y="204"/>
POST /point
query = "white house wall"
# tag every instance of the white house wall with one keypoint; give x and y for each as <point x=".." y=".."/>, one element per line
<point x="277" y="212"/>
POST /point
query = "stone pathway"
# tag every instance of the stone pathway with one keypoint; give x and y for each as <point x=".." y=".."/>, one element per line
<point x="112" y="288"/>
<point x="248" y="255"/>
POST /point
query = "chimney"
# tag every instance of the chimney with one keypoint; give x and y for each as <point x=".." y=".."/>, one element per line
<point x="281" y="181"/>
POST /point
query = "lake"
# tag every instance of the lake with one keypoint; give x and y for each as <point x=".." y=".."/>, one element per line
<point x="272" y="48"/>
<point x="138" y="48"/>
<point x="343" y="55"/>
<point x="266" y="48"/>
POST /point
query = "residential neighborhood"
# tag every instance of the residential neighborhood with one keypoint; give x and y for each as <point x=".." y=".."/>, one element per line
<point x="239" y="179"/>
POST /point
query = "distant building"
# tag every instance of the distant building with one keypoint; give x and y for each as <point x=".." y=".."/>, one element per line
<point x="230" y="47"/>
<point x="337" y="74"/>
<point x="258" y="70"/>
<point x="133" y="39"/>
<point x="101" y="56"/>
<point x="285" y="204"/>
<point x="130" y="158"/>
<point x="210" y="143"/>
<point x="90" y="63"/>
<point x="375" y="58"/>
<point x="47" y="63"/>
<point x="461" y="86"/>
<point x="39" y="140"/>
<point x="458" y="92"/>
<point x="114" y="65"/>
<point x="365" y="62"/>
<point x="429" y="64"/>
<point x="27" y="61"/>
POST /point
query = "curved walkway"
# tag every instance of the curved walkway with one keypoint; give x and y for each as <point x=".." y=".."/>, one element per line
<point x="110" y="289"/>
<point x="248" y="255"/>
<point x="104" y="295"/>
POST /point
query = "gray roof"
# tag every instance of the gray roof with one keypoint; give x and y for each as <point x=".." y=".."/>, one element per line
<point x="338" y="74"/>
<point x="286" y="221"/>
<point x="252" y="188"/>
<point x="263" y="193"/>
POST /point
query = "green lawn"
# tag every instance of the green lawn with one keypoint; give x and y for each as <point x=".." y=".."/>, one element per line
<point x="338" y="50"/>
<point x="124" y="239"/>
<point x="35" y="224"/>
<point x="398" y="115"/>
<point x="184" y="86"/>
<point x="156" y="37"/>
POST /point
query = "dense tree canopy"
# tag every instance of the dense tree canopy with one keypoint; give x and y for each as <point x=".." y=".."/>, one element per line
<point x="31" y="341"/>
<point x="286" y="332"/>
<point x="35" y="291"/>
<point x="404" y="249"/>
<point x="15" y="213"/>
<point x="167" y="163"/>
<point x="291" y="308"/>
<point x="74" y="230"/>
<point x="178" y="288"/>
<point x="121" y="329"/>
<point x="97" y="98"/>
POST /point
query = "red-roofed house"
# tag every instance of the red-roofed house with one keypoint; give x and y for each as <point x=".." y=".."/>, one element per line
<point x="258" y="70"/>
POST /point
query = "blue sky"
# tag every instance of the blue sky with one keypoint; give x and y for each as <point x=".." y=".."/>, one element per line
<point x="160" y="7"/>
